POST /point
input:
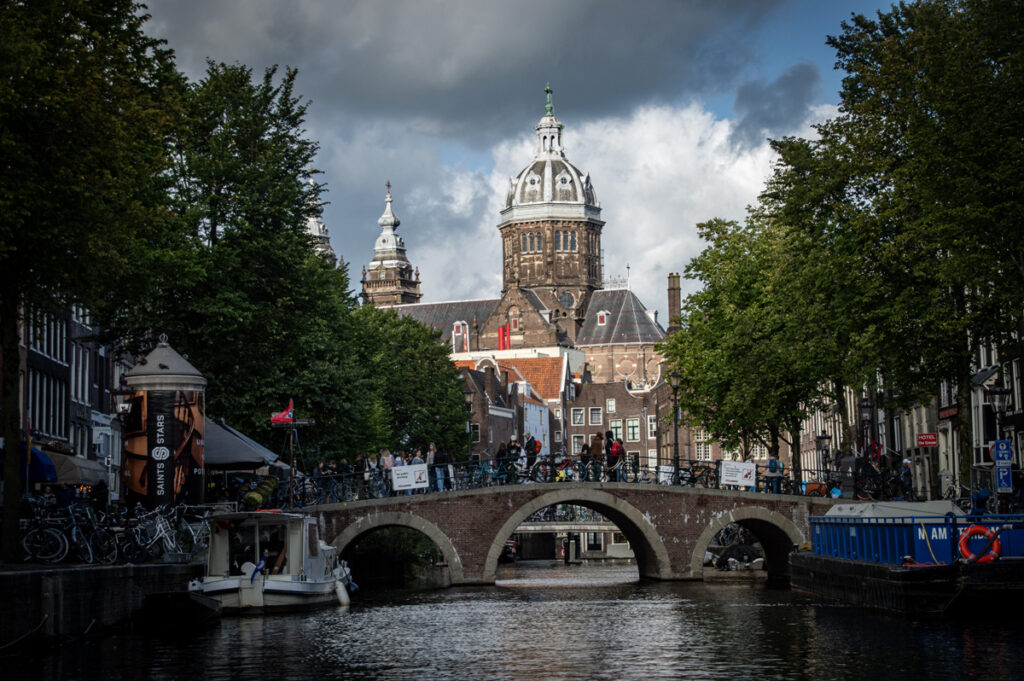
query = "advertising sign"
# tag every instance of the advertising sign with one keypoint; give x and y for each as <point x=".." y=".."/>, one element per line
<point x="412" y="476"/>
<point x="740" y="473"/>
<point x="163" y="448"/>
<point x="927" y="439"/>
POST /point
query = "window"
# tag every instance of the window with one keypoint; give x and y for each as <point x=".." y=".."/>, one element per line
<point x="577" y="443"/>
<point x="616" y="427"/>
<point x="632" y="430"/>
<point x="475" y="430"/>
<point x="572" y="242"/>
<point x="460" y="337"/>
<point x="515" y="324"/>
<point x="558" y="435"/>
<point x="524" y="249"/>
<point x="558" y="413"/>
<point x="531" y="243"/>
<point x="595" y="416"/>
<point x="577" y="416"/>
<point x="540" y="242"/>
<point x="652" y="425"/>
<point x="609" y="406"/>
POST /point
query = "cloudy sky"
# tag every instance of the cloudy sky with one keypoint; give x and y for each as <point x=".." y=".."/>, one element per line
<point x="666" y="103"/>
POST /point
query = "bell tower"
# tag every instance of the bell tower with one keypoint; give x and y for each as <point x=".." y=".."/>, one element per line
<point x="389" y="279"/>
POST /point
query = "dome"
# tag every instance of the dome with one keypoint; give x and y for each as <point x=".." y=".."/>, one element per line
<point x="550" y="178"/>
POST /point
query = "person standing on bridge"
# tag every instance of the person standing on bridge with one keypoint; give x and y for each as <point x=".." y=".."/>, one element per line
<point x="773" y="476"/>
<point x="597" y="453"/>
<point x="531" y="451"/>
<point x="441" y="469"/>
<point x="585" y="460"/>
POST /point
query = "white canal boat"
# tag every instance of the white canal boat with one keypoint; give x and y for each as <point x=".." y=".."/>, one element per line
<point x="268" y="561"/>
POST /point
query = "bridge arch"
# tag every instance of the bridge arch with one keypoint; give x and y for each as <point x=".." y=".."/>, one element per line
<point x="776" y="533"/>
<point x="376" y="521"/>
<point x="652" y="556"/>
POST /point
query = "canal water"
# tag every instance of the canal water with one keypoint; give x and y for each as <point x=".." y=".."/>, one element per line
<point x="544" y="620"/>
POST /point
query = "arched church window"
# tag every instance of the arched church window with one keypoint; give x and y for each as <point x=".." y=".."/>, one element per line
<point x="540" y="242"/>
<point x="524" y="244"/>
<point x="531" y="244"/>
<point x="573" y="244"/>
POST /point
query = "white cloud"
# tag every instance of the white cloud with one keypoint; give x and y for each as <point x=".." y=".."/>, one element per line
<point x="657" y="173"/>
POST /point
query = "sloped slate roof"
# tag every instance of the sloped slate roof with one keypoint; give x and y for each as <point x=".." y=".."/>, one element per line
<point x="442" y="316"/>
<point x="627" y="320"/>
<point x="534" y="299"/>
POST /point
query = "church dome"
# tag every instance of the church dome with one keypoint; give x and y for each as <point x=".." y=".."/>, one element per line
<point x="550" y="178"/>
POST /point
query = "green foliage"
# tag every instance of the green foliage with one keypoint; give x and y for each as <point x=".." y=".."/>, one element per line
<point x="882" y="255"/>
<point x="85" y="107"/>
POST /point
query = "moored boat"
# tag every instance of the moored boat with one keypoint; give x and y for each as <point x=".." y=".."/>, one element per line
<point x="267" y="561"/>
<point x="919" y="558"/>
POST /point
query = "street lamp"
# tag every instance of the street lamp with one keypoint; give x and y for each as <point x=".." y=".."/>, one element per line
<point x="866" y="413"/>
<point x="998" y="395"/>
<point x="469" y="394"/>
<point x="674" y="380"/>
<point x="824" y="446"/>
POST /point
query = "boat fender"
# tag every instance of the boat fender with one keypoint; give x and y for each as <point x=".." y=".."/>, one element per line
<point x="994" y="547"/>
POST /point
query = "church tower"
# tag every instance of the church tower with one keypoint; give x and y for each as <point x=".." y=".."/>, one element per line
<point x="389" y="278"/>
<point x="551" y="230"/>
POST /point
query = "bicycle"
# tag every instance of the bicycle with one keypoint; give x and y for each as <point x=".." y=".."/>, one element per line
<point x="41" y="542"/>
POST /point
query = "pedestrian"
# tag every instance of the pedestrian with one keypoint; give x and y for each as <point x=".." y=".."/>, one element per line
<point x="585" y="460"/>
<point x="597" y="454"/>
<point x="431" y="453"/>
<point x="530" y="447"/>
<point x="440" y="469"/>
<point x="907" y="480"/>
<point x="616" y="457"/>
<point x="515" y="454"/>
<point x="773" y="476"/>
<point x="386" y="460"/>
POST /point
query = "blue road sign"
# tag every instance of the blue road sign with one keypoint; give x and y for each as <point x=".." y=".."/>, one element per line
<point x="1004" y="480"/>
<point x="1001" y="451"/>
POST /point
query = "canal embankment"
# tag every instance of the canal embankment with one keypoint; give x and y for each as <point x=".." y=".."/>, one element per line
<point x="43" y="604"/>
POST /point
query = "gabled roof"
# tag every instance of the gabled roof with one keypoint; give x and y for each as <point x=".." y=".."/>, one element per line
<point x="544" y="374"/>
<point x="627" y="320"/>
<point x="442" y="316"/>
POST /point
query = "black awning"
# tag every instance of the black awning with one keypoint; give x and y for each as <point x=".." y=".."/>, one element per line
<point x="226" y="450"/>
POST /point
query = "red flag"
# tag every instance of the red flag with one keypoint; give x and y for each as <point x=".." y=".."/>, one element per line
<point x="286" y="416"/>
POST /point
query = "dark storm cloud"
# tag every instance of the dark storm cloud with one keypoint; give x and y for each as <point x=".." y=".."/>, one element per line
<point x="771" y="109"/>
<point x="473" y="68"/>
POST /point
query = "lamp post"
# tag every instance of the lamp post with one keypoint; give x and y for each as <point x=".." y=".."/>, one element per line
<point x="824" y="445"/>
<point x="997" y="396"/>
<point x="866" y="412"/>
<point x="674" y="379"/>
<point x="469" y="394"/>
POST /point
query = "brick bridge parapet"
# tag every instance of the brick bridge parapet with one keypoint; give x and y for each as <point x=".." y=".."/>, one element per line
<point x="669" y="528"/>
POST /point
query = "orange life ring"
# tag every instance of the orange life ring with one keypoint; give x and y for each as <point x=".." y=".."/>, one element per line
<point x="985" y="533"/>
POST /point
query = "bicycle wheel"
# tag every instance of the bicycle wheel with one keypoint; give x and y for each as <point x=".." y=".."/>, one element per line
<point x="132" y="551"/>
<point x="104" y="546"/>
<point x="44" y="544"/>
<point x="541" y="472"/>
<point x="80" y="547"/>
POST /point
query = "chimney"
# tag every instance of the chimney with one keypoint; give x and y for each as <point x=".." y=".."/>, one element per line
<point x="489" y="373"/>
<point x="675" y="306"/>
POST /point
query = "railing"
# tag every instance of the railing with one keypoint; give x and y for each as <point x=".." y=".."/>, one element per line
<point x="465" y="475"/>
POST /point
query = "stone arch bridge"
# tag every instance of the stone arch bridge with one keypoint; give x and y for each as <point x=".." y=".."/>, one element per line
<point x="669" y="528"/>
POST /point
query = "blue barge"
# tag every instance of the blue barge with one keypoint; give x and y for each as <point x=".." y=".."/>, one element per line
<point x="924" y="558"/>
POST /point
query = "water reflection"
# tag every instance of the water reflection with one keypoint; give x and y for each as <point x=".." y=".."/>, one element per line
<point x="547" y="621"/>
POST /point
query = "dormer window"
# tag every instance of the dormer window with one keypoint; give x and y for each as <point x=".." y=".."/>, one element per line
<point x="602" y="317"/>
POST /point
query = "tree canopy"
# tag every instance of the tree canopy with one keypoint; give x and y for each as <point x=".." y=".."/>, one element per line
<point x="888" y="250"/>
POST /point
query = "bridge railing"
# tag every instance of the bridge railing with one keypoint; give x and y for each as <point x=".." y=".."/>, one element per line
<point x="473" y="474"/>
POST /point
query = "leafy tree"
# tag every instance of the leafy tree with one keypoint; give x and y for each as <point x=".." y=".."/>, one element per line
<point x="416" y="392"/>
<point x="931" y="125"/>
<point x="85" y="107"/>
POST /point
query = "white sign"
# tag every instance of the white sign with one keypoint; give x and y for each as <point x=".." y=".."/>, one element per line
<point x="410" y="476"/>
<point x="740" y="473"/>
<point x="665" y="475"/>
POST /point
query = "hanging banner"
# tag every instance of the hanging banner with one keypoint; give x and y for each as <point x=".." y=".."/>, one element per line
<point x="409" y="476"/>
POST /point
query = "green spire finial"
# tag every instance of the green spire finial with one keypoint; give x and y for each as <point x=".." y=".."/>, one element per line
<point x="549" y="110"/>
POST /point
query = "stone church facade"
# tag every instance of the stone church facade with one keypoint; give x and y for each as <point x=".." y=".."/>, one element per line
<point x="553" y="294"/>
